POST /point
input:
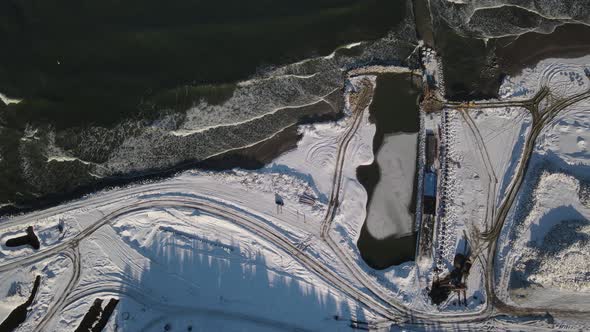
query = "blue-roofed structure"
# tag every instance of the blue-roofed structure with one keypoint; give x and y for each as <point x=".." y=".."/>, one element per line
<point x="430" y="184"/>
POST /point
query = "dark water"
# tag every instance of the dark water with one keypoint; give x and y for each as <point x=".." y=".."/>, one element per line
<point x="251" y="157"/>
<point x="474" y="69"/>
<point x="424" y="27"/>
<point x="80" y="62"/>
<point x="567" y="41"/>
<point x="98" y="73"/>
<point x="394" y="110"/>
<point x="470" y="65"/>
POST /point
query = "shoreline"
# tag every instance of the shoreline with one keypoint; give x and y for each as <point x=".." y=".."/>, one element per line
<point x="249" y="157"/>
<point x="566" y="41"/>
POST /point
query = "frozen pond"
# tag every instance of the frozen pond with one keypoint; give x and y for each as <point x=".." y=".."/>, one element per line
<point x="389" y="211"/>
<point x="387" y="237"/>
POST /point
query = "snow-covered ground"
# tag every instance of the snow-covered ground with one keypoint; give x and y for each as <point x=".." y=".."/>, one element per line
<point x="485" y="146"/>
<point x="181" y="266"/>
<point x="433" y="70"/>
<point x="550" y="267"/>
<point x="543" y="251"/>
<point x="189" y="267"/>
<point x="179" y="252"/>
<point x="17" y="284"/>
<point x="565" y="77"/>
<point x="186" y="268"/>
<point x="319" y="145"/>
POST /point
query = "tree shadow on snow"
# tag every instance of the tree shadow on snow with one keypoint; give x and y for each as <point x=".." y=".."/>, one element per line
<point x="195" y="283"/>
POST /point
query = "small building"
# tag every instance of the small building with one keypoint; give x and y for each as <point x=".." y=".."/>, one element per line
<point x="430" y="184"/>
<point x="429" y="202"/>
